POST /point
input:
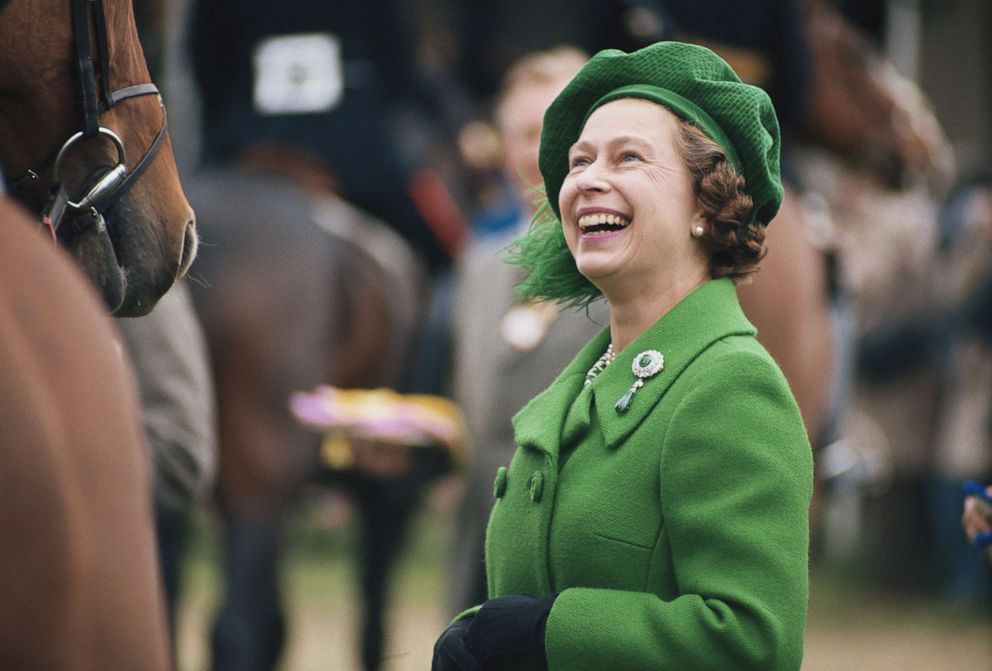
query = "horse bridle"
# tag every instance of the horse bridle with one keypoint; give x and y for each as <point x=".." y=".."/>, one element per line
<point x="88" y="211"/>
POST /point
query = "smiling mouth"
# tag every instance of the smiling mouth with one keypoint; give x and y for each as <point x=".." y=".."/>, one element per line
<point x="598" y="224"/>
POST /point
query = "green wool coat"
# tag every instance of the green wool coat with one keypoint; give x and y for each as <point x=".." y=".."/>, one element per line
<point x="675" y="534"/>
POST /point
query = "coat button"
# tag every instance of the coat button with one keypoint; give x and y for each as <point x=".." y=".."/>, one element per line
<point x="536" y="486"/>
<point x="499" y="485"/>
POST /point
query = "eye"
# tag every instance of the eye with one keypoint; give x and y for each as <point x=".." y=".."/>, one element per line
<point x="630" y="156"/>
<point x="578" y="162"/>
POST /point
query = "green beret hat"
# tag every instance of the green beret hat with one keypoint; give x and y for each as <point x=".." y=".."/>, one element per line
<point x="693" y="83"/>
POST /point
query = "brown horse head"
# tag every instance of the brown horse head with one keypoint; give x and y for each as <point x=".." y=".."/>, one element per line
<point x="147" y="236"/>
<point x="861" y="110"/>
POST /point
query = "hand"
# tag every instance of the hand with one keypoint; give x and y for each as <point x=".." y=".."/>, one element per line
<point x="977" y="517"/>
<point x="449" y="650"/>
<point x="510" y="628"/>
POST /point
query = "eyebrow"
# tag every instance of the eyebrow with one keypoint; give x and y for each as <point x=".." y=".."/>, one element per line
<point x="621" y="140"/>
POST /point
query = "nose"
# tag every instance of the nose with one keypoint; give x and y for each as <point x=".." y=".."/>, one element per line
<point x="592" y="179"/>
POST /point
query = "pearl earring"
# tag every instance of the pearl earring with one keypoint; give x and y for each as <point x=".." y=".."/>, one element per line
<point x="697" y="231"/>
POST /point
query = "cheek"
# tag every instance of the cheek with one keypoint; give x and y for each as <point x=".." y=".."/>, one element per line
<point x="566" y="196"/>
<point x="677" y="192"/>
<point x="570" y="240"/>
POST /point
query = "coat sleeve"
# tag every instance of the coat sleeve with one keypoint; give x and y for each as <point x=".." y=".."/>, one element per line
<point x="736" y="479"/>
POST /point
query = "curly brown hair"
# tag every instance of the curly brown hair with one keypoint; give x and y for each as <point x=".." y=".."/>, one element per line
<point x="734" y="241"/>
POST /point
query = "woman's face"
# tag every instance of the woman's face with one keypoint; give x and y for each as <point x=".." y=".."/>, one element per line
<point x="627" y="203"/>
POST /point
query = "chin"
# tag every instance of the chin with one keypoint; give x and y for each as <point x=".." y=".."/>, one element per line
<point x="598" y="275"/>
<point x="596" y="266"/>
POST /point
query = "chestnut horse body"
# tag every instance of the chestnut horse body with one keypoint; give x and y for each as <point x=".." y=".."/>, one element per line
<point x="147" y="238"/>
<point x="78" y="578"/>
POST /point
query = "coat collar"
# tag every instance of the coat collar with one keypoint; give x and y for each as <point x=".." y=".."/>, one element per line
<point x="708" y="314"/>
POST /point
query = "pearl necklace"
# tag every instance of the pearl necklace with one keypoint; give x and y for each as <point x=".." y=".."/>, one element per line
<point x="600" y="364"/>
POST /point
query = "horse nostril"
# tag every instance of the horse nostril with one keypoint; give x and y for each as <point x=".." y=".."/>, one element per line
<point x="190" y="243"/>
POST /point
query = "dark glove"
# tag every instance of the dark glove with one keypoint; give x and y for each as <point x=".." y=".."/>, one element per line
<point x="510" y="628"/>
<point x="449" y="650"/>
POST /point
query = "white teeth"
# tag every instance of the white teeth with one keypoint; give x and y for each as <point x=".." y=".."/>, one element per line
<point x="588" y="220"/>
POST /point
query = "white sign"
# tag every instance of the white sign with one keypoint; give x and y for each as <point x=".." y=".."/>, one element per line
<point x="298" y="74"/>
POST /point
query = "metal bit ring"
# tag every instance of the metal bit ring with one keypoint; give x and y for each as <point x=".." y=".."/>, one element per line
<point x="96" y="193"/>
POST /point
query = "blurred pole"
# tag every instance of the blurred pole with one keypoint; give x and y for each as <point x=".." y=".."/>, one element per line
<point x="902" y="36"/>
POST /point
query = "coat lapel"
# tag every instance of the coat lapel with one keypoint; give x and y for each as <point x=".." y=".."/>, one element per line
<point x="539" y="424"/>
<point x="710" y="313"/>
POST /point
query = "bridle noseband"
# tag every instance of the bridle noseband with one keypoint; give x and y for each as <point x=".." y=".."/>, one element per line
<point x="88" y="211"/>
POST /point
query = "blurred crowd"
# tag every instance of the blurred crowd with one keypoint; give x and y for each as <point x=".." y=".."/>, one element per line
<point x="371" y="162"/>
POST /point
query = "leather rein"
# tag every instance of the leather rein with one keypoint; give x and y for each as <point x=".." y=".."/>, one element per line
<point x="60" y="211"/>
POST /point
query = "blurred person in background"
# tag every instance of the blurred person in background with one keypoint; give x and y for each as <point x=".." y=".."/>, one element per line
<point x="506" y="350"/>
<point x="169" y="356"/>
